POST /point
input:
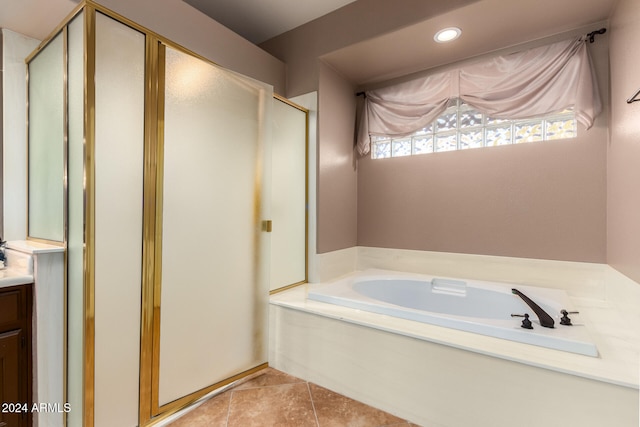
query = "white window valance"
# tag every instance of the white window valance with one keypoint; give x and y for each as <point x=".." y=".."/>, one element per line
<point x="520" y="85"/>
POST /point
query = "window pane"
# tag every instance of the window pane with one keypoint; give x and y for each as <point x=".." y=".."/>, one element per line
<point x="375" y="138"/>
<point x="425" y="131"/>
<point x="494" y="121"/>
<point x="470" y="118"/>
<point x="560" y="128"/>
<point x="528" y="132"/>
<point x="471" y="139"/>
<point x="447" y="121"/>
<point x="446" y="142"/>
<point x="500" y="135"/>
<point x="401" y="147"/>
<point x="423" y="144"/>
<point x="381" y="150"/>
<point x="461" y="126"/>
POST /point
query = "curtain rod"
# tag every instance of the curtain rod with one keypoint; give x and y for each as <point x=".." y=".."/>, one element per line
<point x="592" y="34"/>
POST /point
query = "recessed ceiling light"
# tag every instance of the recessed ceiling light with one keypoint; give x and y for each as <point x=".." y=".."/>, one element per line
<point x="447" y="34"/>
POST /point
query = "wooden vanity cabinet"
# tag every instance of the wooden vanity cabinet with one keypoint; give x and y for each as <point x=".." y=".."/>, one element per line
<point x="15" y="356"/>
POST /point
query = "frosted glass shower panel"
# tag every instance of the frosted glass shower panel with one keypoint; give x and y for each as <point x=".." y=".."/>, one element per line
<point x="213" y="294"/>
<point x="288" y="195"/>
<point x="118" y="189"/>
<point x="46" y="142"/>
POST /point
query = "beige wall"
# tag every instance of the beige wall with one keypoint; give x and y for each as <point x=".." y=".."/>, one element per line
<point x="539" y="200"/>
<point x="623" y="195"/>
<point x="337" y="177"/>
<point x="185" y="25"/>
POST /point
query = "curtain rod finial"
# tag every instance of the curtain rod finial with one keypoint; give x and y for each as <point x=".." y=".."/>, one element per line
<point x="634" y="97"/>
<point x="592" y="34"/>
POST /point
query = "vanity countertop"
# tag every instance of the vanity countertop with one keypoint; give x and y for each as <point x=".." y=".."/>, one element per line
<point x="19" y="268"/>
<point x="12" y="276"/>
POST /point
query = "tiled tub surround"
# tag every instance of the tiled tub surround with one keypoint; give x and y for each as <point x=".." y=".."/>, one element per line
<point x="426" y="373"/>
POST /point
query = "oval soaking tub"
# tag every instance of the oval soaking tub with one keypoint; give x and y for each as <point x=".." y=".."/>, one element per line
<point x="475" y="306"/>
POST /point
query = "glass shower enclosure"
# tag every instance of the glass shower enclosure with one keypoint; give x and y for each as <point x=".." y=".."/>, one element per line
<point x="149" y="163"/>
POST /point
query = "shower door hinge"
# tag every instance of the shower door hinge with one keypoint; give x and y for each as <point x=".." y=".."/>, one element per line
<point x="267" y="225"/>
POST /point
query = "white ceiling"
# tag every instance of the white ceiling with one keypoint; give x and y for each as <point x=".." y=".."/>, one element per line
<point x="260" y="20"/>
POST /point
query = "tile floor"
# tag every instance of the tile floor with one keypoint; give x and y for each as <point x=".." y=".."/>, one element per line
<point x="273" y="398"/>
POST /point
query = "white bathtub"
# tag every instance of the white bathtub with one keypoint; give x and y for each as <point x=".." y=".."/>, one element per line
<point x="474" y="306"/>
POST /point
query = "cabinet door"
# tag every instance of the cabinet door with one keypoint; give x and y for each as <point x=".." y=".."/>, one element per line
<point x="10" y="378"/>
<point x="11" y="307"/>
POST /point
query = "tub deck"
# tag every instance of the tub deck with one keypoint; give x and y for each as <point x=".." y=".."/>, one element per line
<point x="617" y="362"/>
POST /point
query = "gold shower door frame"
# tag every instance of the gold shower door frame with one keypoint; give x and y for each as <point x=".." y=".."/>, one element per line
<point x="149" y="409"/>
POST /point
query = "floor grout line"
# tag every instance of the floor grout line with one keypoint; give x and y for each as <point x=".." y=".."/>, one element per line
<point x="313" y="405"/>
<point x="226" y="423"/>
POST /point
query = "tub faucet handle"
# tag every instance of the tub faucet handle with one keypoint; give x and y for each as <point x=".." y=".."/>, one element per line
<point x="526" y="323"/>
<point x="544" y="318"/>
<point x="564" y="320"/>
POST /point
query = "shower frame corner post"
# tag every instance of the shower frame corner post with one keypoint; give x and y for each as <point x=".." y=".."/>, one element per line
<point x="89" y="215"/>
<point x="152" y="238"/>
<point x="65" y="216"/>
